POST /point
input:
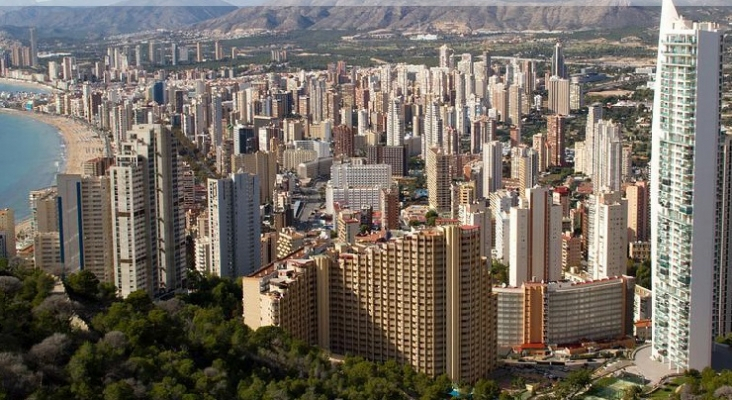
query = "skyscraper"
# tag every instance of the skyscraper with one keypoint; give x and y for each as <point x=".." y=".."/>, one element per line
<point x="492" y="167"/>
<point x="558" y="89"/>
<point x="33" y="47"/>
<point x="607" y="163"/>
<point x="439" y="177"/>
<point x="85" y="224"/>
<point x="685" y="191"/>
<point x="555" y="133"/>
<point x="536" y="239"/>
<point x="7" y="233"/>
<point x="607" y="235"/>
<point x="638" y="212"/>
<point x="148" y="222"/>
<point x="234" y="225"/>
<point x="558" y="67"/>
<point x="444" y="320"/>
<point x="395" y="123"/>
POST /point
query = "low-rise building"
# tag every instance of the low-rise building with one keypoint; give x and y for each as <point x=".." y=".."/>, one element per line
<point x="565" y="313"/>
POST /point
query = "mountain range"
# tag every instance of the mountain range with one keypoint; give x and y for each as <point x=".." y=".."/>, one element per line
<point x="58" y="17"/>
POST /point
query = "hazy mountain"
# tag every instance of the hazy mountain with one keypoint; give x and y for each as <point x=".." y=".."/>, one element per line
<point x="123" y="18"/>
<point x="491" y="18"/>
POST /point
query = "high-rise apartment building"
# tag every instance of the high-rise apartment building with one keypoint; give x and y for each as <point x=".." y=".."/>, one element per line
<point x="685" y="191"/>
<point x="234" y="225"/>
<point x="85" y="224"/>
<point x="492" y="167"/>
<point x="607" y="235"/>
<point x="439" y="176"/>
<point x="33" y="47"/>
<point x="148" y="223"/>
<point x="607" y="161"/>
<point x="434" y="309"/>
<point x="7" y="233"/>
<point x="558" y="95"/>
<point x="525" y="167"/>
<point x="639" y="224"/>
<point x="555" y="134"/>
<point x="558" y="67"/>
<point x="536" y="239"/>
<point x="395" y="123"/>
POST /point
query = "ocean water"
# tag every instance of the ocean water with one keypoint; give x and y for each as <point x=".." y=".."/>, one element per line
<point x="31" y="153"/>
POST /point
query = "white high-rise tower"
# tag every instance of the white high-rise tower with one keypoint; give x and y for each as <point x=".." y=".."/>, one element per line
<point x="234" y="225"/>
<point x="395" y="123"/>
<point x="685" y="191"/>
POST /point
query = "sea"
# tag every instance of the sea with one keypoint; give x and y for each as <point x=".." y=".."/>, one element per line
<point x="31" y="154"/>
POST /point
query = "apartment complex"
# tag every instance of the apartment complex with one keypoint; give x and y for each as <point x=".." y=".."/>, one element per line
<point x="7" y="233"/>
<point x="422" y="299"/>
<point x="148" y="237"/>
<point x="685" y="192"/>
<point x="565" y="313"/>
<point x="234" y="225"/>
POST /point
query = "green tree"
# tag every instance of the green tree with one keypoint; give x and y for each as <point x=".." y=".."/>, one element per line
<point x="83" y="283"/>
<point x="486" y="390"/>
<point x="499" y="272"/>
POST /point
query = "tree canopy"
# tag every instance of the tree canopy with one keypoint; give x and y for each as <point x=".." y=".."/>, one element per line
<point x="193" y="346"/>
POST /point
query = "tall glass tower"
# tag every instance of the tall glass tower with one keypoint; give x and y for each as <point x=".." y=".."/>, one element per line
<point x="686" y="190"/>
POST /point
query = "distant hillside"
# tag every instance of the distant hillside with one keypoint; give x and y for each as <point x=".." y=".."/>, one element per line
<point x="438" y="18"/>
<point x="220" y="17"/>
<point x="111" y="19"/>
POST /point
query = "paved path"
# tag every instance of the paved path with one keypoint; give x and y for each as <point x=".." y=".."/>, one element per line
<point x="652" y="370"/>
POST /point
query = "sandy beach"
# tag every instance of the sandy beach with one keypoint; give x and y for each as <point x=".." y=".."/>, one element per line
<point x="81" y="144"/>
<point x="20" y="82"/>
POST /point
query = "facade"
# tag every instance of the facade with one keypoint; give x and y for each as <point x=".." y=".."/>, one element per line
<point x="607" y="235"/>
<point x="284" y="294"/>
<point x="234" y="225"/>
<point x="571" y="250"/>
<point x="537" y="313"/>
<point x="558" y="95"/>
<point x="685" y="192"/>
<point x="536" y="239"/>
<point x="555" y="133"/>
<point x="439" y="178"/>
<point x="423" y="299"/>
<point x="85" y="224"/>
<point x="148" y="225"/>
<point x="7" y="233"/>
<point x="639" y="210"/>
<point x="607" y="161"/>
<point x="428" y="303"/>
<point x="492" y="167"/>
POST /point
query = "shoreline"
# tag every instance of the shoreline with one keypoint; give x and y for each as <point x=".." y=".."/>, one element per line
<point x="29" y="84"/>
<point x="80" y="144"/>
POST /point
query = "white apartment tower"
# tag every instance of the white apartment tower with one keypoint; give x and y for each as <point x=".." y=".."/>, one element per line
<point x="492" y="167"/>
<point x="395" y="124"/>
<point x="234" y="225"/>
<point x="148" y="223"/>
<point x="607" y="156"/>
<point x="607" y="235"/>
<point x="536" y="239"/>
<point x="685" y="191"/>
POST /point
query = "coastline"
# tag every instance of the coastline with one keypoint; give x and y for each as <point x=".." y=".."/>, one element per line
<point x="80" y="144"/>
<point x="28" y="84"/>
